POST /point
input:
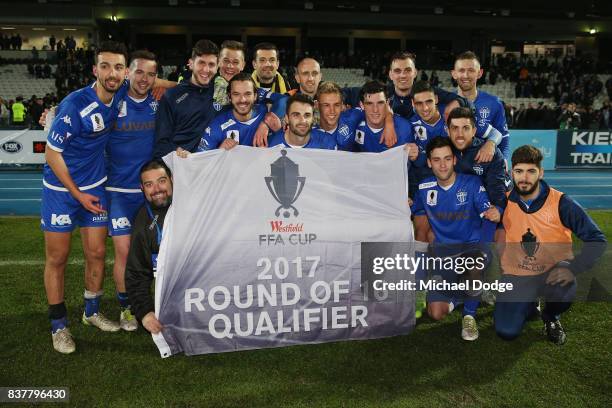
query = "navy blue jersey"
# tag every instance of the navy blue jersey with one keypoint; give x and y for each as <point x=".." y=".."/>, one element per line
<point x="226" y="126"/>
<point x="455" y="212"/>
<point x="318" y="140"/>
<point x="80" y="131"/>
<point x="185" y="111"/>
<point x="368" y="139"/>
<point x="492" y="174"/>
<point x="131" y="142"/>
<point x="490" y="111"/>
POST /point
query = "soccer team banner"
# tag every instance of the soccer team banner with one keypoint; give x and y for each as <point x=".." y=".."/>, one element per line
<point x="262" y="248"/>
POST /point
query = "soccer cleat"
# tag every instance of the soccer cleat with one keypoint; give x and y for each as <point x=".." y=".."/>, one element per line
<point x="555" y="333"/>
<point x="127" y="321"/>
<point x="469" y="328"/>
<point x="101" y="322"/>
<point x="62" y="341"/>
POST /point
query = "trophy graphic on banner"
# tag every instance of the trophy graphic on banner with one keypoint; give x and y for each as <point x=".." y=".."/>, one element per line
<point x="285" y="184"/>
<point x="529" y="244"/>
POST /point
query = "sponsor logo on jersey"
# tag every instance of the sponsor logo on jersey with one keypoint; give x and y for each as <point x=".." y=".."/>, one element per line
<point x="432" y="197"/>
<point x="12" y="146"/>
<point x="233" y="134"/>
<point x="430" y="184"/>
<point x="228" y="124"/>
<point x="100" y="218"/>
<point x="359" y="136"/>
<point x="97" y="121"/>
<point x="88" y="109"/>
<point x="61" y="219"/>
<point x="67" y="120"/>
<point x="461" y="197"/>
<point x="421" y="132"/>
<point x="481" y="189"/>
<point x="121" y="223"/>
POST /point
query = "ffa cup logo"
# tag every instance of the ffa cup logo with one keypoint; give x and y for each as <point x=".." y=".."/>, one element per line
<point x="359" y="136"/>
<point x="421" y="132"/>
<point x="432" y="197"/>
<point x="529" y="244"/>
<point x="233" y="134"/>
<point x="285" y="184"/>
<point x="97" y="122"/>
<point x="461" y="197"/>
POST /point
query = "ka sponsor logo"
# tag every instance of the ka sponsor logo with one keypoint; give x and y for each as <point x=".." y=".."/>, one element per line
<point x="61" y="220"/>
<point x="121" y="223"/>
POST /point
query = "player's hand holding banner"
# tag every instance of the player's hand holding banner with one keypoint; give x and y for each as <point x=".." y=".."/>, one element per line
<point x="261" y="248"/>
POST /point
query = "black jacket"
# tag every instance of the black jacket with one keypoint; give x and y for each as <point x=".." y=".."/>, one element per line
<point x="139" y="268"/>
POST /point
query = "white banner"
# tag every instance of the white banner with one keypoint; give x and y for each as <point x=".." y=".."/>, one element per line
<point x="261" y="248"/>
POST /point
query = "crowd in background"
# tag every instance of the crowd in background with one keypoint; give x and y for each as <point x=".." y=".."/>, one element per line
<point x="571" y="82"/>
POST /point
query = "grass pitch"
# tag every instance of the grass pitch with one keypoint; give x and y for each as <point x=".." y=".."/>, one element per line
<point x="432" y="367"/>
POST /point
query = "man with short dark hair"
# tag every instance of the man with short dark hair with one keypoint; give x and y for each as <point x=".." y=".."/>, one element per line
<point x="238" y="125"/>
<point x="455" y="205"/>
<point x="231" y="62"/>
<point x="73" y="189"/>
<point x="186" y="110"/>
<point x="541" y="219"/>
<point x="130" y="146"/>
<point x="299" y="133"/>
<point x="490" y="113"/>
<point x="156" y="184"/>
<point x="266" y="61"/>
<point x="373" y="101"/>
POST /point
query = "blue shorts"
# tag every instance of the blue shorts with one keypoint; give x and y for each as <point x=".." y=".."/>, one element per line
<point x="61" y="212"/>
<point x="123" y="210"/>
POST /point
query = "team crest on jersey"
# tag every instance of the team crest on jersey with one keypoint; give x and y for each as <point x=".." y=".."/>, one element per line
<point x="97" y="122"/>
<point x="484" y="113"/>
<point x="461" y="197"/>
<point x="344" y="130"/>
<point x="233" y="134"/>
<point x="153" y="105"/>
<point x="421" y="132"/>
<point x="217" y="106"/>
<point x="359" y="136"/>
<point x="123" y="109"/>
<point x="432" y="197"/>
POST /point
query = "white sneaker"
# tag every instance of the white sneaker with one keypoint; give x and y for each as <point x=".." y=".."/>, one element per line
<point x="101" y="322"/>
<point x="469" y="328"/>
<point x="127" y="321"/>
<point x="62" y="341"/>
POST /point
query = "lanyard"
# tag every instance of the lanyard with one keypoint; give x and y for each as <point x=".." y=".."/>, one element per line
<point x="154" y="218"/>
